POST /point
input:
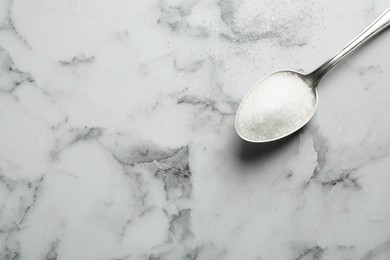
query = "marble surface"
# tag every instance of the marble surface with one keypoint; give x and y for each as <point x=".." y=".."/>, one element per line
<point x="117" y="135"/>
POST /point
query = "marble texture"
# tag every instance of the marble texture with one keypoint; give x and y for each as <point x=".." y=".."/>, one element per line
<point x="117" y="135"/>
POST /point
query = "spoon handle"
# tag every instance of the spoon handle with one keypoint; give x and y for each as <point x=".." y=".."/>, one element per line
<point x="377" y="26"/>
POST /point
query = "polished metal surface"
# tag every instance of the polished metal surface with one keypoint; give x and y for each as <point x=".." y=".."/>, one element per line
<point x="312" y="79"/>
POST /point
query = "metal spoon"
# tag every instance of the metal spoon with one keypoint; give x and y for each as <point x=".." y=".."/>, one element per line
<point x="263" y="116"/>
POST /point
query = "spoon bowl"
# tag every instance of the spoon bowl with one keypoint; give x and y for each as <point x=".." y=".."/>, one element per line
<point x="276" y="106"/>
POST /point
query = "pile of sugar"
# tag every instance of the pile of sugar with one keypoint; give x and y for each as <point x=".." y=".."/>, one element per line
<point x="285" y="20"/>
<point x="282" y="104"/>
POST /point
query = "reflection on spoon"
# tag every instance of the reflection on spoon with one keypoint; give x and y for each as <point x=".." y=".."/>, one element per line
<point x="285" y="101"/>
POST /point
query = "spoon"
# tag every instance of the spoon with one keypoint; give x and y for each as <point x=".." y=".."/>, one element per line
<point x="283" y="102"/>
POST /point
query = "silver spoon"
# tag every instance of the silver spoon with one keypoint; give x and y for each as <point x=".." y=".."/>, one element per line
<point x="283" y="102"/>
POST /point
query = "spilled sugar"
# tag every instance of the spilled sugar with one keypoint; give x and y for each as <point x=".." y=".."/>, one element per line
<point x="276" y="106"/>
<point x="286" y="21"/>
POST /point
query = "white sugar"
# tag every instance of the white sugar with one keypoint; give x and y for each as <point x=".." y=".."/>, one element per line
<point x="286" y="21"/>
<point x="281" y="104"/>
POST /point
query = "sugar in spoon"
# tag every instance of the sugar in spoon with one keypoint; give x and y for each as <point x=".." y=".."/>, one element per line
<point x="283" y="102"/>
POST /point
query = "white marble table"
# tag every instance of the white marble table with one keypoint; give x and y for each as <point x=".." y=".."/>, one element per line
<point x="117" y="132"/>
